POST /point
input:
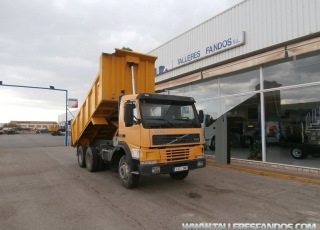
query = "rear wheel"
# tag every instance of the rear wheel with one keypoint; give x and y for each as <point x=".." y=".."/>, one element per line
<point x="297" y="153"/>
<point x="179" y="175"/>
<point x="128" y="179"/>
<point x="92" y="159"/>
<point x="81" y="156"/>
<point x="315" y="155"/>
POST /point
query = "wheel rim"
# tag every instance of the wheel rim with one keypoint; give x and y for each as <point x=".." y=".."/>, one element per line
<point x="123" y="171"/>
<point x="296" y="152"/>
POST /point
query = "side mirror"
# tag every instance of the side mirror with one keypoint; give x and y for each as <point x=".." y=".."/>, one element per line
<point x="128" y="114"/>
<point x="201" y="116"/>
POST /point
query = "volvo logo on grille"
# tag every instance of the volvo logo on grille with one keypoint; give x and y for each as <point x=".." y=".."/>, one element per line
<point x="158" y="131"/>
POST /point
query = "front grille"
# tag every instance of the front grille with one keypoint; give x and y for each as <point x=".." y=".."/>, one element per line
<point x="174" y="155"/>
<point x="175" y="139"/>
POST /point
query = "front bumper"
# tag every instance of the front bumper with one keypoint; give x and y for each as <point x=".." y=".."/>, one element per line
<point x="170" y="168"/>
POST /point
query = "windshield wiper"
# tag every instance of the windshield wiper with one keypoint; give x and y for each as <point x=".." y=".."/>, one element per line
<point x="186" y="119"/>
<point x="160" y="119"/>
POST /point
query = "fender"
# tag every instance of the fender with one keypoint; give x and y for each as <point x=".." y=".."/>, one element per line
<point x="134" y="163"/>
<point x="123" y="145"/>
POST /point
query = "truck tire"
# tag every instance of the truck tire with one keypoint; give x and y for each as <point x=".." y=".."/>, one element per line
<point x="81" y="154"/>
<point x="246" y="142"/>
<point x="102" y="165"/>
<point x="297" y="153"/>
<point x="179" y="175"/>
<point x="128" y="179"/>
<point x="315" y="155"/>
<point x="212" y="145"/>
<point x="92" y="159"/>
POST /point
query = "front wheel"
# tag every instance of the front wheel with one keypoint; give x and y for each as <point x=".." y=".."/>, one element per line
<point x="179" y="175"/>
<point x="128" y="179"/>
<point x="297" y="153"/>
<point x="315" y="155"/>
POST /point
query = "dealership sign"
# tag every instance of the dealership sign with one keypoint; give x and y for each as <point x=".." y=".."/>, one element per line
<point x="208" y="50"/>
<point x="73" y="103"/>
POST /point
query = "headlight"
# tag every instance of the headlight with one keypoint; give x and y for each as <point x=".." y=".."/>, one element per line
<point x="200" y="157"/>
<point x="135" y="153"/>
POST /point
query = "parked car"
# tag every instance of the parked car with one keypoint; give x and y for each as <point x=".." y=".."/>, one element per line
<point x="56" y="133"/>
<point x="59" y="132"/>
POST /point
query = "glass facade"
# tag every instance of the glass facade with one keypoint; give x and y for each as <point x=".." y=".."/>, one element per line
<point x="288" y="121"/>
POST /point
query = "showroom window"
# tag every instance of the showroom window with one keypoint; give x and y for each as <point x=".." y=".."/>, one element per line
<point x="208" y="88"/>
<point x="291" y="110"/>
<point x="293" y="71"/>
<point x="240" y="82"/>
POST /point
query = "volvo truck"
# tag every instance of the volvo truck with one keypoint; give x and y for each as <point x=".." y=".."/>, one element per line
<point x="125" y="126"/>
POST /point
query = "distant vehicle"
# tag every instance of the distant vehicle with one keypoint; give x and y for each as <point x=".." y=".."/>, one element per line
<point x="1" y="131"/>
<point x="38" y="132"/>
<point x="53" y="128"/>
<point x="56" y="133"/>
<point x="44" y="131"/>
<point x="305" y="137"/>
<point x="12" y="131"/>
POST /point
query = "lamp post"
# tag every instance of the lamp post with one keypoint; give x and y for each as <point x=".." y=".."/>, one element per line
<point x="50" y="88"/>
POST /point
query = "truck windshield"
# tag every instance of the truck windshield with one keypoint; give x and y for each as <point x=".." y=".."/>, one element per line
<point x="168" y="114"/>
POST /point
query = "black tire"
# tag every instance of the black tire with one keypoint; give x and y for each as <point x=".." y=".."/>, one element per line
<point x="102" y="165"/>
<point x="297" y="153"/>
<point x="246" y="142"/>
<point x="92" y="159"/>
<point x="315" y="155"/>
<point x="212" y="145"/>
<point x="128" y="179"/>
<point x="81" y="153"/>
<point x="179" y="175"/>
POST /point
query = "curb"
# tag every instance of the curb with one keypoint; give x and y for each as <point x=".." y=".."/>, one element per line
<point x="264" y="173"/>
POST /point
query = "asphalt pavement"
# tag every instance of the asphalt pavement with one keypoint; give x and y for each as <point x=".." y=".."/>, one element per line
<point x="43" y="187"/>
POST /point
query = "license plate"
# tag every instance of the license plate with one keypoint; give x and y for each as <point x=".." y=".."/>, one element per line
<point x="182" y="168"/>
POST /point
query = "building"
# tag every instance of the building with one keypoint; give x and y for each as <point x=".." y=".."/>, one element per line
<point x="34" y="125"/>
<point x="71" y="115"/>
<point x="257" y="66"/>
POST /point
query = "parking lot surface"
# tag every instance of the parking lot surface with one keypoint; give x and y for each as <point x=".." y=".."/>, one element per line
<point x="44" y="188"/>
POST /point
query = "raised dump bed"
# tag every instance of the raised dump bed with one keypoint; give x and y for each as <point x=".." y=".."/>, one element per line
<point x="98" y="116"/>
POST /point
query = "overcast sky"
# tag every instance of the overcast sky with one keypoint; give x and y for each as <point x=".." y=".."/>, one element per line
<point x="59" y="43"/>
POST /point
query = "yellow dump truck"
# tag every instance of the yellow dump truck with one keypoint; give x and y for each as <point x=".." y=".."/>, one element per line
<point x="124" y="125"/>
<point x="53" y="128"/>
